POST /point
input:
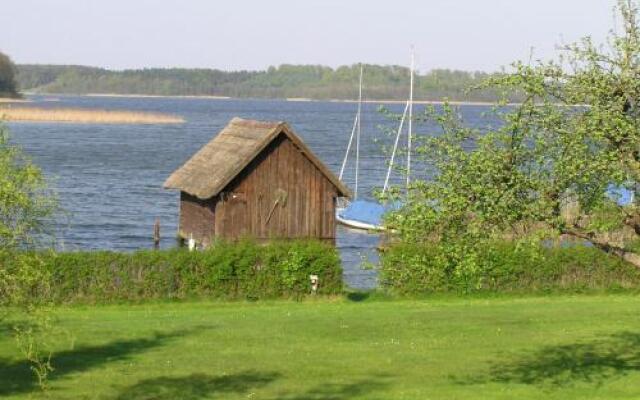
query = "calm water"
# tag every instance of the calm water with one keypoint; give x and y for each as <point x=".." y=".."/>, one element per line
<point x="109" y="177"/>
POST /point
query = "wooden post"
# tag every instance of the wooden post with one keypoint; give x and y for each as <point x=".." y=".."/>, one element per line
<point x="156" y="234"/>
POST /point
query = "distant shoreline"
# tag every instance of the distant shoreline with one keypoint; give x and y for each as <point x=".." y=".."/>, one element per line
<point x="425" y="102"/>
<point x="155" y="95"/>
<point x="293" y="99"/>
<point x="288" y="99"/>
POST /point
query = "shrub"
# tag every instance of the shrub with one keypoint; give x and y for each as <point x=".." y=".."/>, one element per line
<point x="502" y="267"/>
<point x="227" y="270"/>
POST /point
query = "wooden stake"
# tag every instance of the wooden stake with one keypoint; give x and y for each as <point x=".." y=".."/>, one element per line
<point x="156" y="234"/>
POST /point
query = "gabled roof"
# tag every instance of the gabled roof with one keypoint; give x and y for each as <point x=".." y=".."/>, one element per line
<point x="215" y="165"/>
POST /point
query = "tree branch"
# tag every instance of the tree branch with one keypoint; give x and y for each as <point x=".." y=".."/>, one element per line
<point x="604" y="245"/>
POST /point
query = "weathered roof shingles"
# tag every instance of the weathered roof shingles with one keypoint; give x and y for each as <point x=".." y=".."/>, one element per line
<point x="215" y="165"/>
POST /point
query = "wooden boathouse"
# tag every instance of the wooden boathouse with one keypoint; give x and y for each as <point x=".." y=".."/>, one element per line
<point x="256" y="179"/>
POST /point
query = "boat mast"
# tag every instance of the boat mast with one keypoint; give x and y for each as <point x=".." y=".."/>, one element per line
<point x="346" y="154"/>
<point x="410" y="119"/>
<point x="395" y="149"/>
<point x="358" y="119"/>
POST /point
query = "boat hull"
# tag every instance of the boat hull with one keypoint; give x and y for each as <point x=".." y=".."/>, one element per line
<point x="351" y="223"/>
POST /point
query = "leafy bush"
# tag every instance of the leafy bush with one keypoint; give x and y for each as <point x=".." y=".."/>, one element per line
<point x="503" y="267"/>
<point x="227" y="270"/>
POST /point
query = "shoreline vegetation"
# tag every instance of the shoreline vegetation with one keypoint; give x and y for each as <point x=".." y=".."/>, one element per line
<point x="288" y="99"/>
<point x="152" y="96"/>
<point x="295" y="82"/>
<point x="247" y="270"/>
<point x="13" y="100"/>
<point x="77" y="115"/>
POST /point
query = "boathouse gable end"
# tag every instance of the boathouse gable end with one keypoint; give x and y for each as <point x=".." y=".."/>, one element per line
<point x="256" y="179"/>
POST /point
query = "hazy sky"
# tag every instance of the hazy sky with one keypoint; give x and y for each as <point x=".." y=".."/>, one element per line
<point x="253" y="34"/>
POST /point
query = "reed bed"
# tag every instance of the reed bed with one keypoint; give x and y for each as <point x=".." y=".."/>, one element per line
<point x="12" y="100"/>
<point x="85" y="116"/>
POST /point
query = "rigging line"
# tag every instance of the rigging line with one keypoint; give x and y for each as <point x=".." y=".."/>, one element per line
<point x="395" y="148"/>
<point x="355" y="193"/>
<point x="410" y="119"/>
<point x="346" y="155"/>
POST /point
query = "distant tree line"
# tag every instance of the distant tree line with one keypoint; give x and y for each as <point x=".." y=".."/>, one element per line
<point x="8" y="86"/>
<point x="284" y="81"/>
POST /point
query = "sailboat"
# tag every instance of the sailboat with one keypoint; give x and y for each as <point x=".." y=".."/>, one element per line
<point x="365" y="214"/>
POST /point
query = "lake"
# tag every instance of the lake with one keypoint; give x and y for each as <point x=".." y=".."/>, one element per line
<point x="109" y="177"/>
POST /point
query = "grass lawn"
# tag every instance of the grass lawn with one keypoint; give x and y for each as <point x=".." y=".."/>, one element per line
<point x="557" y="347"/>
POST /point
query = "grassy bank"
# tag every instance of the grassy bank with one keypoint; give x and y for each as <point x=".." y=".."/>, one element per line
<point x="73" y="115"/>
<point x="559" y="347"/>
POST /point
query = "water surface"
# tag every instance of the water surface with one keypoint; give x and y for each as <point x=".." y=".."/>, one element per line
<point x="109" y="177"/>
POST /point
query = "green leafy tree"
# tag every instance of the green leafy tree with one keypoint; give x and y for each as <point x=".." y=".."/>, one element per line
<point x="8" y="86"/>
<point x="25" y="207"/>
<point x="548" y="169"/>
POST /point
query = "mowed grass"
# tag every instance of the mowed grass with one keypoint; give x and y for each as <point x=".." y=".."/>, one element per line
<point x="558" y="347"/>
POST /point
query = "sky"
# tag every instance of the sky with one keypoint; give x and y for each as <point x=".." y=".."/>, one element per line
<point x="478" y="35"/>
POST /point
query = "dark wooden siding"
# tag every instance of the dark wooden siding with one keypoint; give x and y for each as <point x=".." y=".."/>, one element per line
<point x="197" y="217"/>
<point x="280" y="194"/>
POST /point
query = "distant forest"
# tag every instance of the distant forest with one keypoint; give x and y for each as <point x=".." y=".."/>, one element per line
<point x="285" y="81"/>
<point x="8" y="86"/>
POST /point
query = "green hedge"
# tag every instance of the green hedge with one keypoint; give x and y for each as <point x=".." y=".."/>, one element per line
<point x="418" y="269"/>
<point x="243" y="270"/>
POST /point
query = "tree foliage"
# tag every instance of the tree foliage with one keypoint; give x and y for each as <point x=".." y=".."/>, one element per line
<point x="553" y="165"/>
<point x="25" y="201"/>
<point x="311" y="81"/>
<point x="25" y="207"/>
<point x="8" y="85"/>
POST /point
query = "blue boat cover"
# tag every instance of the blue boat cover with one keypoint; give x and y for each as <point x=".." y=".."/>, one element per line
<point x="364" y="211"/>
<point x="620" y="195"/>
<point x="371" y="212"/>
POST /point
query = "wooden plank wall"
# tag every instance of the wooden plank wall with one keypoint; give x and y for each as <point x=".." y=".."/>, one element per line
<point x="281" y="169"/>
<point x="197" y="217"/>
